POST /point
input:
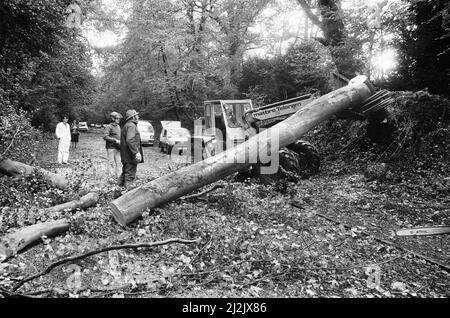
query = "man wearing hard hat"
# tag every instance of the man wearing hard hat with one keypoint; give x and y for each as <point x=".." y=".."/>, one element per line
<point x="112" y="138"/>
<point x="130" y="148"/>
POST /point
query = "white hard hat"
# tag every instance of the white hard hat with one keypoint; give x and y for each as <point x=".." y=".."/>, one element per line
<point x="115" y="114"/>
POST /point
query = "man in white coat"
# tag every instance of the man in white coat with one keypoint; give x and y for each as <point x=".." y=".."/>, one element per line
<point x="63" y="134"/>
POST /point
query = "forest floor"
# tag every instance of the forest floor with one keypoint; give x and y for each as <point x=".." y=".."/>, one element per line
<point x="337" y="241"/>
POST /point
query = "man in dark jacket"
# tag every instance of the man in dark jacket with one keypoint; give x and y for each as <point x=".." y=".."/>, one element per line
<point x="130" y="148"/>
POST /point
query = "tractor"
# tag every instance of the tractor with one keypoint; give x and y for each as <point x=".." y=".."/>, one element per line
<point x="228" y="123"/>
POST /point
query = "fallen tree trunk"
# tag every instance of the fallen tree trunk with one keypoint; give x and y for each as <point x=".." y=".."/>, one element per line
<point x="130" y="206"/>
<point x="82" y="203"/>
<point x="12" y="243"/>
<point x="13" y="168"/>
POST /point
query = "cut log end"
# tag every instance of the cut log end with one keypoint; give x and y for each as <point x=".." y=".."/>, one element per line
<point x="14" y="242"/>
<point x="117" y="214"/>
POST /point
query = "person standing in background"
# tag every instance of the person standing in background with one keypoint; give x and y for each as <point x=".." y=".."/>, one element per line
<point x="112" y="138"/>
<point x="74" y="134"/>
<point x="62" y="132"/>
<point x="130" y="148"/>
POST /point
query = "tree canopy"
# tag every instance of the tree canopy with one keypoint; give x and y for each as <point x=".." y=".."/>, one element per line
<point x="175" y="54"/>
<point x="45" y="66"/>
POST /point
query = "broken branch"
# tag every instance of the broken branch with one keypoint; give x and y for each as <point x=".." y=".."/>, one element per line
<point x="8" y="294"/>
<point x="82" y="203"/>
<point x="196" y="195"/>
<point x="98" y="251"/>
<point x="13" y="169"/>
<point x="12" y="243"/>
<point x="12" y="142"/>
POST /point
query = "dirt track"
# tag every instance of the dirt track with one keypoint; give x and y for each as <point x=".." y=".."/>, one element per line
<point x="91" y="147"/>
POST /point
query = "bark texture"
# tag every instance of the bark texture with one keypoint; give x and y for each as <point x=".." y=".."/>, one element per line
<point x="13" y="168"/>
<point x="82" y="203"/>
<point x="12" y="243"/>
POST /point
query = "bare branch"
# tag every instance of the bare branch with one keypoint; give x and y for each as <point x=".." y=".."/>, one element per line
<point x="12" y="142"/>
<point x="308" y="11"/>
<point x="98" y="251"/>
<point x="193" y="196"/>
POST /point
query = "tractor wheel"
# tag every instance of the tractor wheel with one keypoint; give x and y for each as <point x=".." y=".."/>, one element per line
<point x="298" y="160"/>
<point x="308" y="158"/>
<point x="243" y="176"/>
<point x="287" y="170"/>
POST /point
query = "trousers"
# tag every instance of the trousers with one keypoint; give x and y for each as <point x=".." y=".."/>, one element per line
<point x="128" y="173"/>
<point x="113" y="161"/>
<point x="63" y="150"/>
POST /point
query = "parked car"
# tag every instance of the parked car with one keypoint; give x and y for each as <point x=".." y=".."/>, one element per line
<point x="83" y="126"/>
<point x="171" y="136"/>
<point x="147" y="132"/>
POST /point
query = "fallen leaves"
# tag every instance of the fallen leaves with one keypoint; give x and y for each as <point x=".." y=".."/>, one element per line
<point x="399" y="286"/>
<point x="258" y="246"/>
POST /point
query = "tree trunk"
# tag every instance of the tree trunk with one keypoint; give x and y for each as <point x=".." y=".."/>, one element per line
<point x="306" y="27"/>
<point x="14" y="169"/>
<point x="12" y="243"/>
<point x="130" y="206"/>
<point x="332" y="23"/>
<point x="334" y="36"/>
<point x="82" y="203"/>
<point x="171" y="88"/>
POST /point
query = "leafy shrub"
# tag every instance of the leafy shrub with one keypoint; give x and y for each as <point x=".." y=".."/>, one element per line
<point x="22" y="197"/>
<point x="18" y="139"/>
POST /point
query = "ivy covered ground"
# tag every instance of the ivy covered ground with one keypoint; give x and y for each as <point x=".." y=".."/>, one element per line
<point x="329" y="236"/>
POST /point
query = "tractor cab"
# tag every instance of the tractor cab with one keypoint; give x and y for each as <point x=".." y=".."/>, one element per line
<point x="225" y="122"/>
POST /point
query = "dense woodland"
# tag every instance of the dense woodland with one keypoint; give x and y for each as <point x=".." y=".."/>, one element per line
<point x="177" y="54"/>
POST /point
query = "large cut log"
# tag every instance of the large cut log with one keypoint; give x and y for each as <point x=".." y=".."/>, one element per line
<point x="82" y="203"/>
<point x="12" y="243"/>
<point x="167" y="188"/>
<point x="15" y="168"/>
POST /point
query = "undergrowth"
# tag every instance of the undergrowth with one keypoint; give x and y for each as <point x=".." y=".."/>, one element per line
<point x="416" y="135"/>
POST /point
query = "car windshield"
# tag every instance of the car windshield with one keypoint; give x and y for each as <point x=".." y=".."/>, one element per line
<point x="82" y="124"/>
<point x="178" y="132"/>
<point x="145" y="128"/>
